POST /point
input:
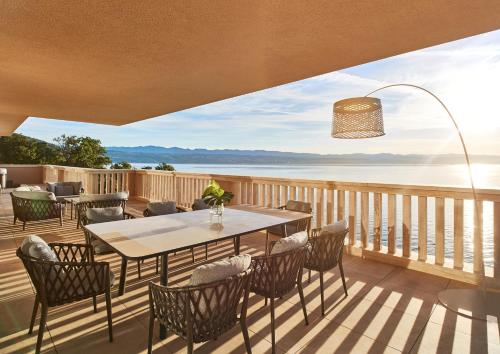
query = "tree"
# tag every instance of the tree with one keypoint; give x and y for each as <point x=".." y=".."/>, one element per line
<point x="163" y="166"/>
<point x="82" y="151"/>
<point x="20" y="149"/>
<point x="123" y="165"/>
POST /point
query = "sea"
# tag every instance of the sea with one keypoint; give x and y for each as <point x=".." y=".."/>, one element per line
<point x="485" y="176"/>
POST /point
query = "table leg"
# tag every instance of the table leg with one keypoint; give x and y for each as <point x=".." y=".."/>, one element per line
<point x="71" y="214"/>
<point x="237" y="245"/>
<point x="123" y="276"/>
<point x="283" y="230"/>
<point x="164" y="282"/>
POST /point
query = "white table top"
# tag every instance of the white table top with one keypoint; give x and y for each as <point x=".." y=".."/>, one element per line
<point x="151" y="236"/>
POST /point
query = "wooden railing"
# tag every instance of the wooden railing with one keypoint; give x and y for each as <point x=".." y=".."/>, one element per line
<point x="427" y="228"/>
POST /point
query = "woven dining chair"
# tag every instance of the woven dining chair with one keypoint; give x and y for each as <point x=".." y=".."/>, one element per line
<point x="276" y="275"/>
<point x="203" y="312"/>
<point x="76" y="276"/>
<point x="294" y="226"/>
<point x="325" y="253"/>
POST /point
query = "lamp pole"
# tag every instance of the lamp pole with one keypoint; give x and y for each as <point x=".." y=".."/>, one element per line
<point x="467" y="302"/>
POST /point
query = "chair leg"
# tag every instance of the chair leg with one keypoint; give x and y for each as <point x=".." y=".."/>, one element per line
<point x="108" y="310"/>
<point x="61" y="221"/>
<point x="15" y="219"/>
<point x="322" y="293"/>
<point x="33" y="315"/>
<point x="309" y="278"/>
<point x="244" y="330"/>
<point x="302" y="301"/>
<point x="151" y="329"/>
<point x="94" y="301"/>
<point x="139" y="269"/>
<point x="157" y="264"/>
<point x="265" y="301"/>
<point x="41" y="328"/>
<point x="192" y="254"/>
<point x="273" y="335"/>
<point x="267" y="242"/>
<point x="206" y="251"/>
<point x="24" y="225"/>
<point x="342" y="276"/>
<point x="190" y="346"/>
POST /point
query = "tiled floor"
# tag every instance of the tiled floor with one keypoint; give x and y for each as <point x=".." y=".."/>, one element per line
<point x="388" y="309"/>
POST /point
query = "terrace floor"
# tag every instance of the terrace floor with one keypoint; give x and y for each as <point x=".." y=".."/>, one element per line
<point x="388" y="309"/>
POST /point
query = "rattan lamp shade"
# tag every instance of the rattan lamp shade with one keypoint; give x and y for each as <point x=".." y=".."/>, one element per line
<point x="357" y="118"/>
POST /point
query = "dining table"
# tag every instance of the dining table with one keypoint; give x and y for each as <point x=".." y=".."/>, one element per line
<point x="159" y="236"/>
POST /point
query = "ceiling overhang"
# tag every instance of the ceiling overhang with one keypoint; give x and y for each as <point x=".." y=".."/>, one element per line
<point x="117" y="62"/>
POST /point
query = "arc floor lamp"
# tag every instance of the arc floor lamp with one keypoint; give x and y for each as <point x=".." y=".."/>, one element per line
<point x="361" y="117"/>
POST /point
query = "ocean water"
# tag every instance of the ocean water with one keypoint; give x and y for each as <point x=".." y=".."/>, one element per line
<point x="485" y="176"/>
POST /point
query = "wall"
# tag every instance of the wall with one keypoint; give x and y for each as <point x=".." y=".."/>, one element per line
<point x="24" y="174"/>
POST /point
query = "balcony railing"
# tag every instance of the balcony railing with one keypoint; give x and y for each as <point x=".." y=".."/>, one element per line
<point x="427" y="228"/>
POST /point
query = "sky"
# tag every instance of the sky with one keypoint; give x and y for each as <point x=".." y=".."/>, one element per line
<point x="464" y="74"/>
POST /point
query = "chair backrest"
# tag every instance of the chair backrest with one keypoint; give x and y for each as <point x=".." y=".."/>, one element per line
<point x="82" y="207"/>
<point x="160" y="208"/>
<point x="199" y="204"/>
<point x="58" y="283"/>
<point x="326" y="250"/>
<point x="277" y="274"/>
<point x="296" y="205"/>
<point x="204" y="311"/>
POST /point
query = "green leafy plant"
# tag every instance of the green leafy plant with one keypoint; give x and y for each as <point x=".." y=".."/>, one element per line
<point x="123" y="165"/>
<point x="215" y="195"/>
<point x="163" y="166"/>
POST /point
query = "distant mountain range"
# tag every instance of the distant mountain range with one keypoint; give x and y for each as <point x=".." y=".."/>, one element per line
<point x="155" y="154"/>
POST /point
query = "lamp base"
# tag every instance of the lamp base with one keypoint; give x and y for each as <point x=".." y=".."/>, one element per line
<point x="472" y="303"/>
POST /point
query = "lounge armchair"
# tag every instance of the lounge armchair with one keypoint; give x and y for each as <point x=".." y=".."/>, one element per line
<point x="203" y="311"/>
<point x="63" y="273"/>
<point x="325" y="253"/>
<point x="35" y="206"/>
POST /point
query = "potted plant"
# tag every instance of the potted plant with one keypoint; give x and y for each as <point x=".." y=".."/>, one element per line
<point x="215" y="197"/>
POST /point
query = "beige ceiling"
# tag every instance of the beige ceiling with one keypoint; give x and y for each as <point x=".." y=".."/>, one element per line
<point x="117" y="62"/>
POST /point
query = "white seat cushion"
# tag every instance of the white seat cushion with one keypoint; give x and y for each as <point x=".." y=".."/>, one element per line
<point x="99" y="215"/>
<point x="208" y="273"/>
<point x="334" y="228"/>
<point x="291" y="242"/>
<point x="34" y="246"/>
<point x="34" y="195"/>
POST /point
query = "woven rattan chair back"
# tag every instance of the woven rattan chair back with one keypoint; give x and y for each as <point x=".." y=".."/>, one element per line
<point x="33" y="210"/>
<point x="282" y="270"/>
<point x="207" y="310"/>
<point x="82" y="207"/>
<point x="201" y="313"/>
<point x="325" y="251"/>
<point x="59" y="283"/>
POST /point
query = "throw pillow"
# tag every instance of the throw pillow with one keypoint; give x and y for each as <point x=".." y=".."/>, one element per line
<point x="34" y="246"/>
<point x="334" y="228"/>
<point x="291" y="242"/>
<point x="208" y="273"/>
<point x="99" y="215"/>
